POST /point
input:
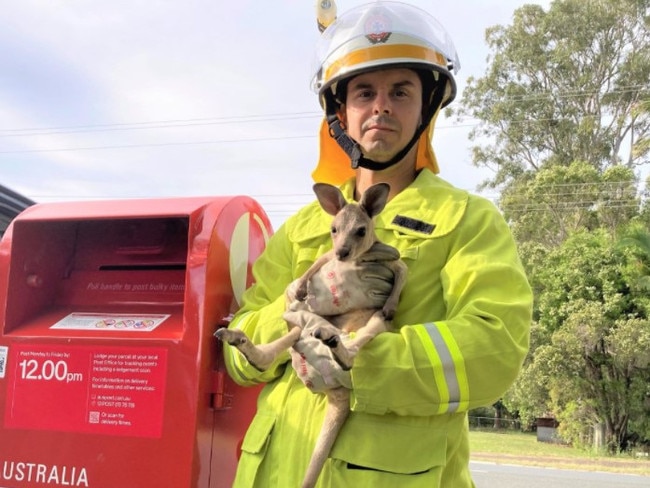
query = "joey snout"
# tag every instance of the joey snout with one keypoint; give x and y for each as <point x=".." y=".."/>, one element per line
<point x="343" y="253"/>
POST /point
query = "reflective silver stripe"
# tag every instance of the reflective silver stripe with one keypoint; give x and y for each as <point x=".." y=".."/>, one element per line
<point x="448" y="366"/>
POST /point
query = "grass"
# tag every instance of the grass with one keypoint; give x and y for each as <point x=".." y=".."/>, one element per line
<point x="523" y="448"/>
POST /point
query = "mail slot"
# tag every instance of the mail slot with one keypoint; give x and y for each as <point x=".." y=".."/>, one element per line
<point x="110" y="376"/>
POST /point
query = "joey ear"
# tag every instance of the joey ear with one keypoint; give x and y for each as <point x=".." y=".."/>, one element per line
<point x="330" y="197"/>
<point x="374" y="198"/>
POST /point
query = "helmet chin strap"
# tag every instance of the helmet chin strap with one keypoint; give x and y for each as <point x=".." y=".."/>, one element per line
<point x="353" y="150"/>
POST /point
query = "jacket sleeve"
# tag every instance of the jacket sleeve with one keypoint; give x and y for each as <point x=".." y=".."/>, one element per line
<point x="260" y="317"/>
<point x="466" y="341"/>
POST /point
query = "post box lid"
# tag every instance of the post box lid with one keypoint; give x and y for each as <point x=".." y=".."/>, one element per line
<point x="151" y="207"/>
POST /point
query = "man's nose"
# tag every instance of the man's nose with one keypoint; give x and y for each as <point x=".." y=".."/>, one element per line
<point x="382" y="103"/>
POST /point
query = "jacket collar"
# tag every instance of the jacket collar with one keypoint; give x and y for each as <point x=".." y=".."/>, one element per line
<point x="429" y="207"/>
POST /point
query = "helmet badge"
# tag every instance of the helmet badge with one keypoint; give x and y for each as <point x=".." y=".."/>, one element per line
<point x="378" y="29"/>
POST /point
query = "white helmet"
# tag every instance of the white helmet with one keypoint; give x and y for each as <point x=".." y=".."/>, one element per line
<point x="382" y="35"/>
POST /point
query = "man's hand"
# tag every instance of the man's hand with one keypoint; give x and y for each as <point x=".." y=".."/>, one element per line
<point x="311" y="359"/>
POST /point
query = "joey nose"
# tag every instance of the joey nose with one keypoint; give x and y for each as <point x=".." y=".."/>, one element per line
<point x="342" y="254"/>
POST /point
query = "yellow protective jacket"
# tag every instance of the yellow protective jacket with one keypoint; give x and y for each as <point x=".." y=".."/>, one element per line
<point x="461" y="335"/>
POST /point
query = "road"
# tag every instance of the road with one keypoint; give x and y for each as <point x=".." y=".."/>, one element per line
<point x="491" y="475"/>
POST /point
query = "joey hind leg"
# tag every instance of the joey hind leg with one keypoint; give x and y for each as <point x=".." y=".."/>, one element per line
<point x="331" y="337"/>
<point x="345" y="352"/>
<point x="260" y="356"/>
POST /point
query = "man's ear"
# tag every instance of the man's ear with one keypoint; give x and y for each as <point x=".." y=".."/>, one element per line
<point x="340" y="113"/>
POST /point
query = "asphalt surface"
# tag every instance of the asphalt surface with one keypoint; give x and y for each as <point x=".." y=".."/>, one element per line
<point x="492" y="475"/>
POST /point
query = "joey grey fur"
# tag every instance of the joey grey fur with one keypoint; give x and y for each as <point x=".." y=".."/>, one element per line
<point x="354" y="242"/>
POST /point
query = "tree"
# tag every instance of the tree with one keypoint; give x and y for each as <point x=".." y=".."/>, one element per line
<point x="642" y="146"/>
<point x="564" y="115"/>
<point x="563" y="85"/>
<point x="636" y="240"/>
<point x="556" y="201"/>
<point x="563" y="122"/>
<point x="591" y="360"/>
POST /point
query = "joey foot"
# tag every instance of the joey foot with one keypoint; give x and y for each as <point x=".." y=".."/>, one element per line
<point x="256" y="356"/>
<point x="327" y="334"/>
<point x="326" y="337"/>
<point x="233" y="337"/>
<point x="331" y="337"/>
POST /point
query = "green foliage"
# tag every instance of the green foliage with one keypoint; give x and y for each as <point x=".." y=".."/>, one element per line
<point x="563" y="85"/>
<point x="636" y="243"/>
<point x="590" y="360"/>
<point x="572" y="423"/>
<point x="579" y="274"/>
<point x="641" y="147"/>
<point x="554" y="202"/>
<point x="564" y="121"/>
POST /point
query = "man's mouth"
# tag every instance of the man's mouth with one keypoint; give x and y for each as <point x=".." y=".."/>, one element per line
<point x="380" y="124"/>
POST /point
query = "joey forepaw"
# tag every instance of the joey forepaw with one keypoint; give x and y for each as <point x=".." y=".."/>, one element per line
<point x="301" y="291"/>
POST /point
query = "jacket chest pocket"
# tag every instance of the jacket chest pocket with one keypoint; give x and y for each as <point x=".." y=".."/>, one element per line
<point x="305" y="257"/>
<point x="423" y="294"/>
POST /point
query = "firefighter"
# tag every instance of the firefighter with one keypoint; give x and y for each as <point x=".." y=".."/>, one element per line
<point x="461" y="331"/>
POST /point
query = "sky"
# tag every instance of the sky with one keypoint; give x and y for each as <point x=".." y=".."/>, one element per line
<point x="114" y="99"/>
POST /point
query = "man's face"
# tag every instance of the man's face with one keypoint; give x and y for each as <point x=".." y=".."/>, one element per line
<point x="382" y="110"/>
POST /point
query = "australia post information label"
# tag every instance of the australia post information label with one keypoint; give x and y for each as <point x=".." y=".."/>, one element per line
<point x="4" y="351"/>
<point x="103" y="390"/>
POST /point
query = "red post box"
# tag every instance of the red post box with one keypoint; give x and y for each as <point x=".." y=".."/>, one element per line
<point x="110" y="376"/>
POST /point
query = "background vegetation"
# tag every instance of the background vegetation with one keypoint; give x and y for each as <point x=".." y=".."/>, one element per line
<point x="563" y="115"/>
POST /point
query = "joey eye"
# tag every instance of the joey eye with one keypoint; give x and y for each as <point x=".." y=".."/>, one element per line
<point x="361" y="232"/>
<point x="333" y="230"/>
